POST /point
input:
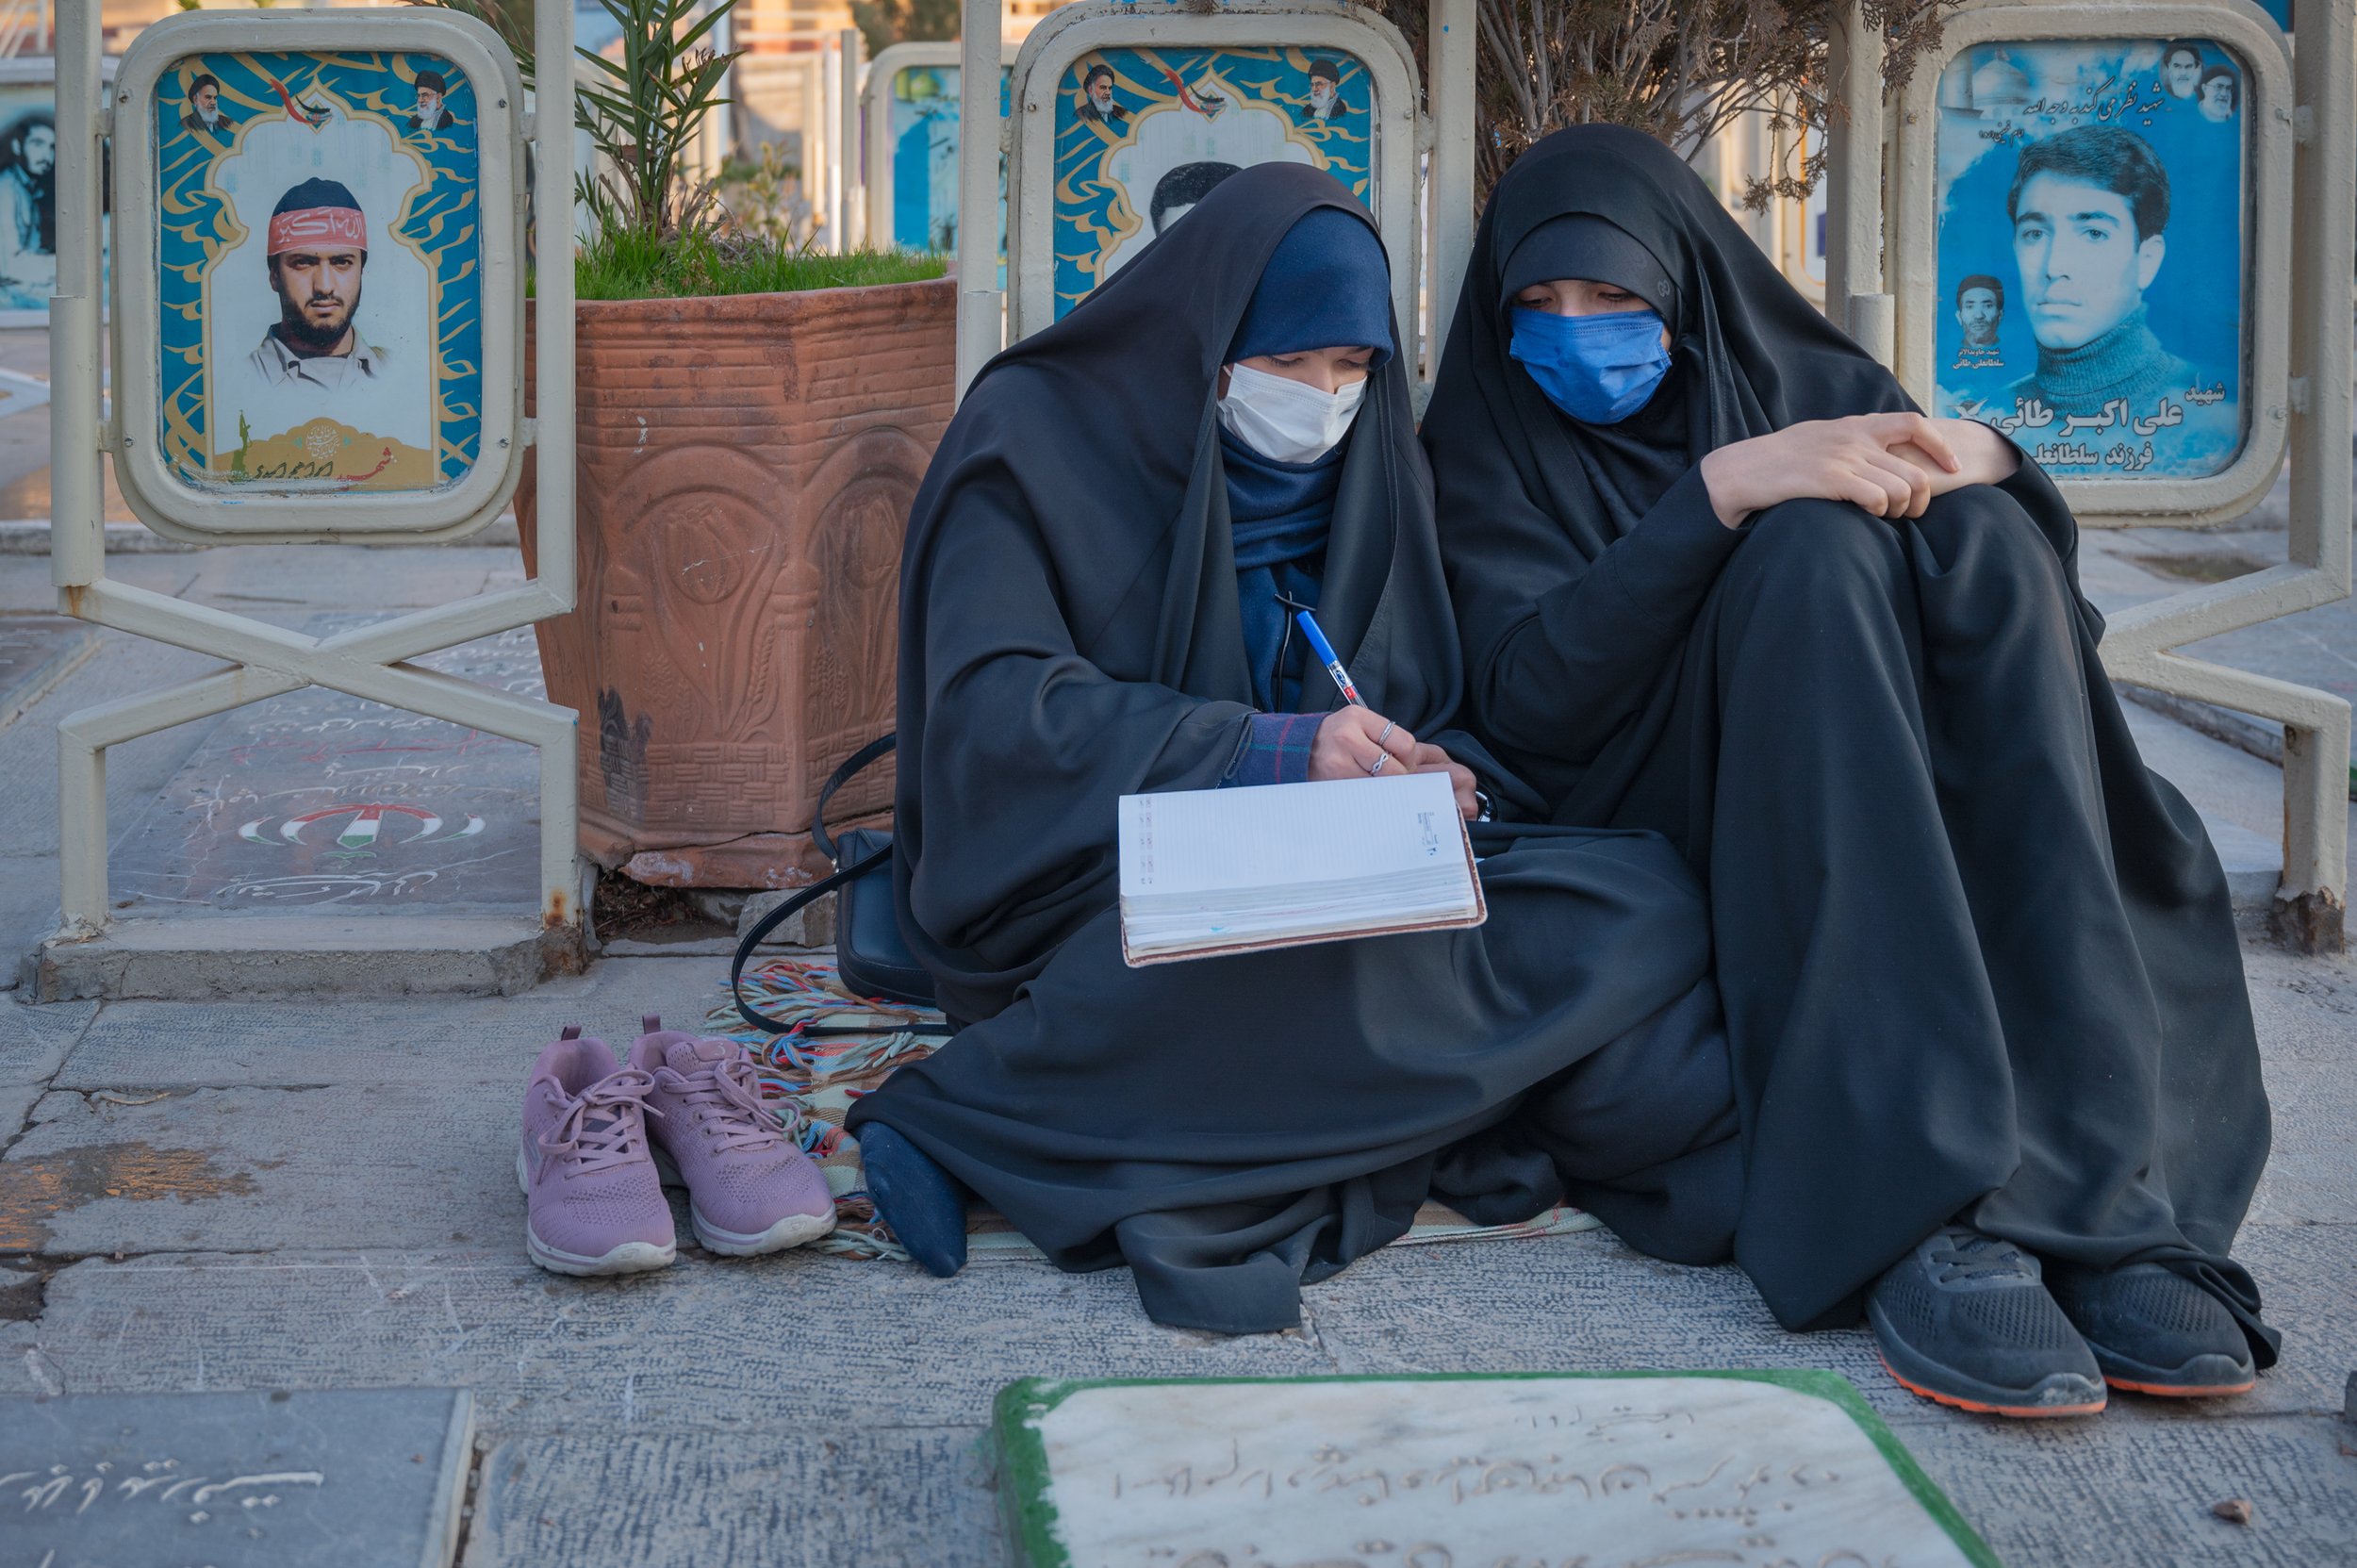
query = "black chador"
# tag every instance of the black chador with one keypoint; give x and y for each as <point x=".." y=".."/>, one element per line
<point x="1977" y="960"/>
<point x="1070" y="633"/>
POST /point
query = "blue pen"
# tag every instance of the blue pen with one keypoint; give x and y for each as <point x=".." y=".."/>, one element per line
<point x="1324" y="650"/>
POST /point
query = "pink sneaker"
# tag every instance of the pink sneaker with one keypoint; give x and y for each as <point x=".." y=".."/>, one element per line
<point x="593" y="1202"/>
<point x="749" y="1190"/>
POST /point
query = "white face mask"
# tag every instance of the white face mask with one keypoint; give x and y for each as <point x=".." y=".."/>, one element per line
<point x="1289" y="420"/>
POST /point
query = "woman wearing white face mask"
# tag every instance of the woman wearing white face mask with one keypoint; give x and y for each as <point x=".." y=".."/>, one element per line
<point x="1092" y="605"/>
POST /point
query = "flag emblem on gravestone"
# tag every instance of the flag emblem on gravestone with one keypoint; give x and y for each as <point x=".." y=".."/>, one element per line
<point x="362" y="826"/>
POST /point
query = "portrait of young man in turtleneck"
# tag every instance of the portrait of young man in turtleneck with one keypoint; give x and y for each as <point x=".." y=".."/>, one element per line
<point x="2088" y="208"/>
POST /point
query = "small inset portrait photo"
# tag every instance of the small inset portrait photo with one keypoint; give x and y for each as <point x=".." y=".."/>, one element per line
<point x="1326" y="91"/>
<point x="432" y="115"/>
<point x="1980" y="311"/>
<point x="1096" y="97"/>
<point x="204" y="114"/>
<point x="2181" y="69"/>
<point x="2222" y="93"/>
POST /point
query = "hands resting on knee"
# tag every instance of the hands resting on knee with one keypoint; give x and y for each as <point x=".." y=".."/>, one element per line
<point x="1891" y="465"/>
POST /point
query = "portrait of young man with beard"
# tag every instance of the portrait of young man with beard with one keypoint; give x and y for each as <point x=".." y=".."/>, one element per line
<point x="319" y="250"/>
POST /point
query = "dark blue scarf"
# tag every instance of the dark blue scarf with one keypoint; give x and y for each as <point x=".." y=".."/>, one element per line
<point x="1278" y="514"/>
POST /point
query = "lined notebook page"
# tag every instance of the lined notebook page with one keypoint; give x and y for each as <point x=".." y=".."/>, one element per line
<point x="1195" y="842"/>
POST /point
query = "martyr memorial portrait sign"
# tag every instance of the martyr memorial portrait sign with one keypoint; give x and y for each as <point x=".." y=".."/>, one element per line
<point x="1124" y="120"/>
<point x="1143" y="134"/>
<point x="327" y="322"/>
<point x="2091" y="252"/>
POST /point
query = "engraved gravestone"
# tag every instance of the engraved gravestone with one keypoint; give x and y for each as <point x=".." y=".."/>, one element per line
<point x="1757" y="1470"/>
<point x="353" y="1479"/>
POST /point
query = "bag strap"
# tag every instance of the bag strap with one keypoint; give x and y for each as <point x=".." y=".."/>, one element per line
<point x="880" y="746"/>
<point x="786" y="908"/>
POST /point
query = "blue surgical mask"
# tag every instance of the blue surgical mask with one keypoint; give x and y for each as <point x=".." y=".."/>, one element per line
<point x="1597" y="369"/>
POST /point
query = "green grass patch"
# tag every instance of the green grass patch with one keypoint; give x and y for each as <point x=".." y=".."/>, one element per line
<point x="631" y="266"/>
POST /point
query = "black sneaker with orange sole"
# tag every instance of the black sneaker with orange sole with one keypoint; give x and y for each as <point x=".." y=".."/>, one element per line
<point x="2155" y="1331"/>
<point x="1965" y="1319"/>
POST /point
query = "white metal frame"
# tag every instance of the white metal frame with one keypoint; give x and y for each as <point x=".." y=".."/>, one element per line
<point x="169" y="502"/>
<point x="1076" y="30"/>
<point x="847" y="212"/>
<point x="2267" y="102"/>
<point x="370" y="661"/>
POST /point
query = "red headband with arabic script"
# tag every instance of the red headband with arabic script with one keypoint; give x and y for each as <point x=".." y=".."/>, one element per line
<point x="318" y="215"/>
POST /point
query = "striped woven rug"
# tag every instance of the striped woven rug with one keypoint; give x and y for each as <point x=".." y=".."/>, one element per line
<point x="814" y="1082"/>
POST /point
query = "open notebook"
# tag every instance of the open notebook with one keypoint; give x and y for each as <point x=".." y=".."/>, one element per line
<point x="1209" y="871"/>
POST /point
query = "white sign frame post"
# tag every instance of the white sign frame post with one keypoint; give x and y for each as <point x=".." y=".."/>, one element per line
<point x="372" y="661"/>
<point x="2301" y="246"/>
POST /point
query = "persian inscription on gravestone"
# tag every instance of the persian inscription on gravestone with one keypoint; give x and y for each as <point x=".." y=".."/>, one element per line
<point x="236" y="1481"/>
<point x="1539" y="1472"/>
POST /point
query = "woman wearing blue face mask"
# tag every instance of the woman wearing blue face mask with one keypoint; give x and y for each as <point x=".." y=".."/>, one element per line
<point x="1717" y="578"/>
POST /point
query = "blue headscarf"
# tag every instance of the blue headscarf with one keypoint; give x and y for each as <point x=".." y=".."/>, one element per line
<point x="1326" y="285"/>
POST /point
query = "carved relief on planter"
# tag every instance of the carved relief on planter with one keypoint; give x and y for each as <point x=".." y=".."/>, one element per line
<point x="743" y="488"/>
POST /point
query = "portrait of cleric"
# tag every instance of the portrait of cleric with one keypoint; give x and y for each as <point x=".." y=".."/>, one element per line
<point x="1097" y="98"/>
<point x="2090" y="260"/>
<point x="432" y="116"/>
<point x="204" y="115"/>
<point x="1326" y="91"/>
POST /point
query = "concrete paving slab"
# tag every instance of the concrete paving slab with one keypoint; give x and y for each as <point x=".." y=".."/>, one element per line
<point x="625" y="1496"/>
<point x="2304" y="1274"/>
<point x="36" y="652"/>
<point x="316" y="799"/>
<point x="2305" y="1005"/>
<point x="2134" y="1489"/>
<point x="424" y="1040"/>
<point x="34" y="1041"/>
<point x="796" y="1341"/>
<point x="246" y="1480"/>
<point x="239" y="1169"/>
<point x="124" y="666"/>
<point x="16" y="1106"/>
<point x="2312" y="1175"/>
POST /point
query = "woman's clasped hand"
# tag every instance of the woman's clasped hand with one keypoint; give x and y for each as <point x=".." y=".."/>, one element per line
<point x="1355" y="742"/>
<point x="1893" y="464"/>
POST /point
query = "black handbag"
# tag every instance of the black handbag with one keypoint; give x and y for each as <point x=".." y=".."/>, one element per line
<point x="871" y="957"/>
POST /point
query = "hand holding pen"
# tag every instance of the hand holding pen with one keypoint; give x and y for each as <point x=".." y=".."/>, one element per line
<point x="1354" y="739"/>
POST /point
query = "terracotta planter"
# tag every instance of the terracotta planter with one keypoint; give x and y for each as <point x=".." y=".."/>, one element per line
<point x="746" y="464"/>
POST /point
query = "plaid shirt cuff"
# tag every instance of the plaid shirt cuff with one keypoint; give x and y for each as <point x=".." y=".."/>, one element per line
<point x="1276" y="749"/>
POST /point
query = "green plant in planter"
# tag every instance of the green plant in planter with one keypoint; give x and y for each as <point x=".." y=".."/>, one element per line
<point x="625" y="264"/>
<point x="655" y="231"/>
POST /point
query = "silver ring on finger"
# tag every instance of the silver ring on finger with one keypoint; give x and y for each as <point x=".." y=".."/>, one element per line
<point x="1376" y="767"/>
<point x="1388" y="725"/>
